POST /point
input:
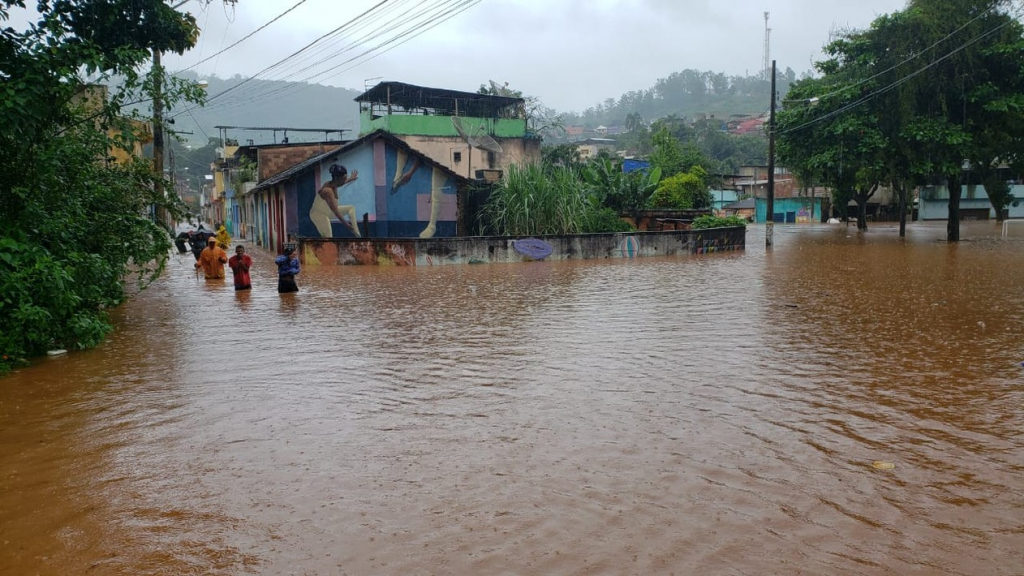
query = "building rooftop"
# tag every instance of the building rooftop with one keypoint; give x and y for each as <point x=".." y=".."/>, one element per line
<point x="302" y="166"/>
<point x="442" y="101"/>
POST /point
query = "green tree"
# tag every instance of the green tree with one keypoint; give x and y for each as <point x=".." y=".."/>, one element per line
<point x="668" y="153"/>
<point x="684" y="191"/>
<point x="73" y="224"/>
<point x="625" y="193"/>
<point x="567" y="155"/>
<point x="634" y="121"/>
<point x="934" y="87"/>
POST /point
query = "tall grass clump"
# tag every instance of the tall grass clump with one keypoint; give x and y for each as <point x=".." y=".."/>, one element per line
<point x="533" y="200"/>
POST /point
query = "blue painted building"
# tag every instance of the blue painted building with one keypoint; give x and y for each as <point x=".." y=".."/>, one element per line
<point x="391" y="191"/>
<point x="722" y="198"/>
<point x="790" y="210"/>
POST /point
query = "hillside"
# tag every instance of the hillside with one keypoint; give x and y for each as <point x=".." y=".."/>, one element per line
<point x="262" y="103"/>
<point x="686" y="94"/>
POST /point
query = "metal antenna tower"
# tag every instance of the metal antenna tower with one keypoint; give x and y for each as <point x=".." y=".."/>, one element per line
<point x="766" y="65"/>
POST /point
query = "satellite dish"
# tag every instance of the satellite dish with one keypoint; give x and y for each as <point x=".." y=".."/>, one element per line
<point x="478" y="139"/>
<point x="499" y="90"/>
<point x="457" y="122"/>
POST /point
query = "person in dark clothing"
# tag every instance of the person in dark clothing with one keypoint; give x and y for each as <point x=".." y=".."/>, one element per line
<point x="180" y="240"/>
<point x="199" y="239"/>
<point x="287" y="268"/>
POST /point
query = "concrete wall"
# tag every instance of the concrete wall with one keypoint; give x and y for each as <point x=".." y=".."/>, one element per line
<point x="443" y="149"/>
<point x="493" y="249"/>
<point x="427" y="125"/>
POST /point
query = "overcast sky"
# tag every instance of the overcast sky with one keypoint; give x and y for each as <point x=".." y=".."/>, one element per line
<point x="569" y="53"/>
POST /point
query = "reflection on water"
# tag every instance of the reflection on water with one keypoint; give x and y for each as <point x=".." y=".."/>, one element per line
<point x="713" y="415"/>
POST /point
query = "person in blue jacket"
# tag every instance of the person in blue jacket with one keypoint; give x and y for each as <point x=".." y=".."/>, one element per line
<point x="287" y="268"/>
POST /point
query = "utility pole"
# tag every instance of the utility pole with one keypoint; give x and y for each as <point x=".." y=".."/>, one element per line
<point x="158" y="134"/>
<point x="770" y="219"/>
<point x="158" y="127"/>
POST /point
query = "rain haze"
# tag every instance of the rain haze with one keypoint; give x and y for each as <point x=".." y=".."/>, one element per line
<point x="571" y="54"/>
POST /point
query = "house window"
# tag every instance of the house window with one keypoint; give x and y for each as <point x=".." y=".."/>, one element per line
<point x="457" y="157"/>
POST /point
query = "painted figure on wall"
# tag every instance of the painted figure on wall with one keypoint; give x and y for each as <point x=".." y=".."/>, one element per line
<point x="325" y="204"/>
<point x="438" y="179"/>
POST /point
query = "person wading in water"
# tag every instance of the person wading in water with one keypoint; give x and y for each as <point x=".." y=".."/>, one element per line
<point x="240" y="264"/>
<point x="287" y="268"/>
<point x="212" y="260"/>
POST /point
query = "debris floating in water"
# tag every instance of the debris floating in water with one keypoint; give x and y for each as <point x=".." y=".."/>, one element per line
<point x="882" y="465"/>
<point x="56" y="352"/>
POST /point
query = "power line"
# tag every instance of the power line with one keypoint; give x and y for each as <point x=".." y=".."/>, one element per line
<point x="337" y="37"/>
<point x="262" y="90"/>
<point x="244" y="38"/>
<point x="297" y="52"/>
<point x="896" y="83"/>
<point x="455" y="7"/>
<point x="909" y="58"/>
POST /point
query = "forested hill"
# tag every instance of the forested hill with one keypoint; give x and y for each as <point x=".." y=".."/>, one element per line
<point x="292" y="104"/>
<point x="685" y="94"/>
<point x="270" y="104"/>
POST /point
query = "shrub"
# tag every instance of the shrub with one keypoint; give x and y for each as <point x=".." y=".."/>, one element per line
<point x="684" y="191"/>
<point x="601" y="220"/>
<point x="704" y="222"/>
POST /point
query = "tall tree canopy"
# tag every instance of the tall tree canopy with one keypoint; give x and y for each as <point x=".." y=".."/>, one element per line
<point x="74" y="222"/>
<point x="929" y="94"/>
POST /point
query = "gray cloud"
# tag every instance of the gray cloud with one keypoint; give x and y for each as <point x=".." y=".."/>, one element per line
<point x="570" y="53"/>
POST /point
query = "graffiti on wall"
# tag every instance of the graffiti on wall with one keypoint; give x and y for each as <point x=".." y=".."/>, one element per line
<point x="719" y="241"/>
<point x="377" y="190"/>
<point x="332" y="205"/>
<point x="365" y="253"/>
<point x="420" y="200"/>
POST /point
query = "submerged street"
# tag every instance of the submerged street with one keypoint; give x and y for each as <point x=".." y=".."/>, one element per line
<point x="718" y="414"/>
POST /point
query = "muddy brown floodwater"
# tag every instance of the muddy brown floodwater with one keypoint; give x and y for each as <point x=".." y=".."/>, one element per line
<point x="707" y="415"/>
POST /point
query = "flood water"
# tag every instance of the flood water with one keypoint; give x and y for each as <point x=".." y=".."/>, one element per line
<point x="717" y="414"/>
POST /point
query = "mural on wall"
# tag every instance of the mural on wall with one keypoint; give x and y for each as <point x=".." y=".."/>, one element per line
<point x="326" y="202"/>
<point x="803" y="215"/>
<point x="724" y="241"/>
<point x="421" y="200"/>
<point x="398" y="193"/>
<point x="331" y="204"/>
<point x="629" y="247"/>
<point x="405" y="169"/>
<point x="367" y="252"/>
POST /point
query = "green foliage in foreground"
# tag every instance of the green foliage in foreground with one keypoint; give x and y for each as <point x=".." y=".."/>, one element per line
<point x="74" y="224"/>
<point x="704" y="222"/>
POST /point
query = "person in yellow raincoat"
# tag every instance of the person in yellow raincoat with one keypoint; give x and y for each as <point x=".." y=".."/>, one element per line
<point x="212" y="260"/>
<point x="223" y="238"/>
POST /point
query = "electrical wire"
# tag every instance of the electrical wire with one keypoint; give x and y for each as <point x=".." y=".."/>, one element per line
<point x="899" y="81"/>
<point x="436" y="15"/>
<point x="261" y="90"/>
<point x="909" y="58"/>
<point x="410" y="18"/>
<point x="246" y="37"/>
<point x="296" y="53"/>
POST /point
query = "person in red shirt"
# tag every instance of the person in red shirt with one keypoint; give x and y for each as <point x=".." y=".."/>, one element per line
<point x="240" y="264"/>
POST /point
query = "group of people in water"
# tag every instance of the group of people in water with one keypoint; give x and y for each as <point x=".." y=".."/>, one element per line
<point x="210" y="251"/>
